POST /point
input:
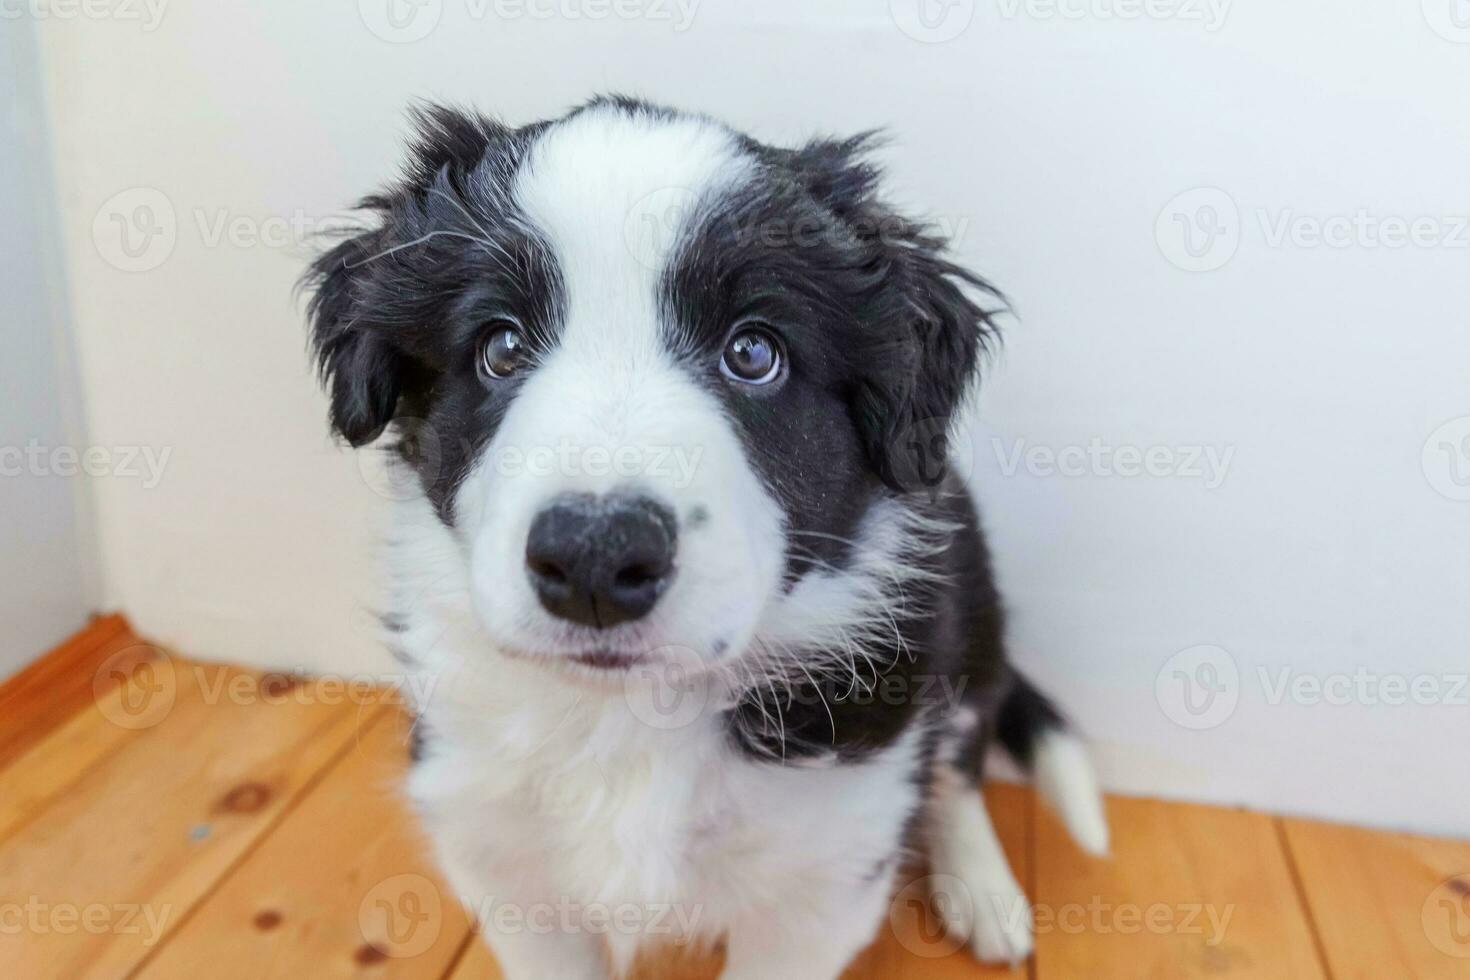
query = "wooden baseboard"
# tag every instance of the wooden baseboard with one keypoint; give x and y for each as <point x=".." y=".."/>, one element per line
<point x="47" y="692"/>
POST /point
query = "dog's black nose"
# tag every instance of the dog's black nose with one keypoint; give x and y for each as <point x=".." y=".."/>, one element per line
<point x="601" y="562"/>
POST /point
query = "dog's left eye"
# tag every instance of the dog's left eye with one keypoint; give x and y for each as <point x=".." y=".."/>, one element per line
<point x="753" y="356"/>
<point x="504" y="350"/>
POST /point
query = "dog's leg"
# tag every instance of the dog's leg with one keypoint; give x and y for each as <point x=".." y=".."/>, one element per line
<point x="812" y="936"/>
<point x="990" y="909"/>
<point x="527" y="934"/>
<point x="515" y="906"/>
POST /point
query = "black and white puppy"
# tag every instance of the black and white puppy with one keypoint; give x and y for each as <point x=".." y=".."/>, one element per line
<point x="710" y="625"/>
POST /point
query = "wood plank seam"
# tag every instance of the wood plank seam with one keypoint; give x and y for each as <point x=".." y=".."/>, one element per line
<point x="1301" y="897"/>
<point x="306" y="790"/>
<point x="470" y="939"/>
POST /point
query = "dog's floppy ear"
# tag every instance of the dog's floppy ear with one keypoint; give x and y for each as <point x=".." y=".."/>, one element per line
<point x="365" y="306"/>
<point x="922" y="345"/>
<point x="908" y="403"/>
<point x="361" y="370"/>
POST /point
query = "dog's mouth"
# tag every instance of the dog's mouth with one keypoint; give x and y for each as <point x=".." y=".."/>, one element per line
<point x="593" y="660"/>
<point x="608" y="659"/>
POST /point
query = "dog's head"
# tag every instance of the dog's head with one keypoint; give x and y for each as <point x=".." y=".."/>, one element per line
<point x="654" y="377"/>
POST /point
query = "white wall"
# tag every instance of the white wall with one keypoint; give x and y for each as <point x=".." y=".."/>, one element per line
<point x="1338" y="538"/>
<point x="48" y="558"/>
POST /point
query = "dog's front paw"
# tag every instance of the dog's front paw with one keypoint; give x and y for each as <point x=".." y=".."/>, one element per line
<point x="990" y="912"/>
<point x="1002" y="931"/>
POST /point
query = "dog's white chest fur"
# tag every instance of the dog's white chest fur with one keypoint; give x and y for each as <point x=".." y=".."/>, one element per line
<point x="569" y="797"/>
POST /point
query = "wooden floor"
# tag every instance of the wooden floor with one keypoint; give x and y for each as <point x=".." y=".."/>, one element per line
<point x="160" y="818"/>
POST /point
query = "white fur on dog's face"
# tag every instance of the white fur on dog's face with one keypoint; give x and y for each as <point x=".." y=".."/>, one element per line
<point x="610" y="409"/>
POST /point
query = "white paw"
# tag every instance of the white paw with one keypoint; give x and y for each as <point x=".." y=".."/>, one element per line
<point x="992" y="916"/>
<point x="1002" y="928"/>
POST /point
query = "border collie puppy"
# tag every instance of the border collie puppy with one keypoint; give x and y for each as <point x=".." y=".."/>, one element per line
<point x="709" y="625"/>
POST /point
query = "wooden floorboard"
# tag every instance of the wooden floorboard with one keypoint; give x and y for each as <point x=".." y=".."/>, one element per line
<point x="48" y="692"/>
<point x="1385" y="905"/>
<point x="1189" y="891"/>
<point x="343" y="887"/>
<point x="136" y="844"/>
<point x="181" y="821"/>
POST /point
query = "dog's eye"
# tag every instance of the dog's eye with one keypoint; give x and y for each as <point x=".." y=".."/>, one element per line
<point x="504" y="350"/>
<point x="752" y="356"/>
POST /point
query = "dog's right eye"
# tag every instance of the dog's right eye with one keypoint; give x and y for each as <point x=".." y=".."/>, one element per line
<point x="503" y="351"/>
